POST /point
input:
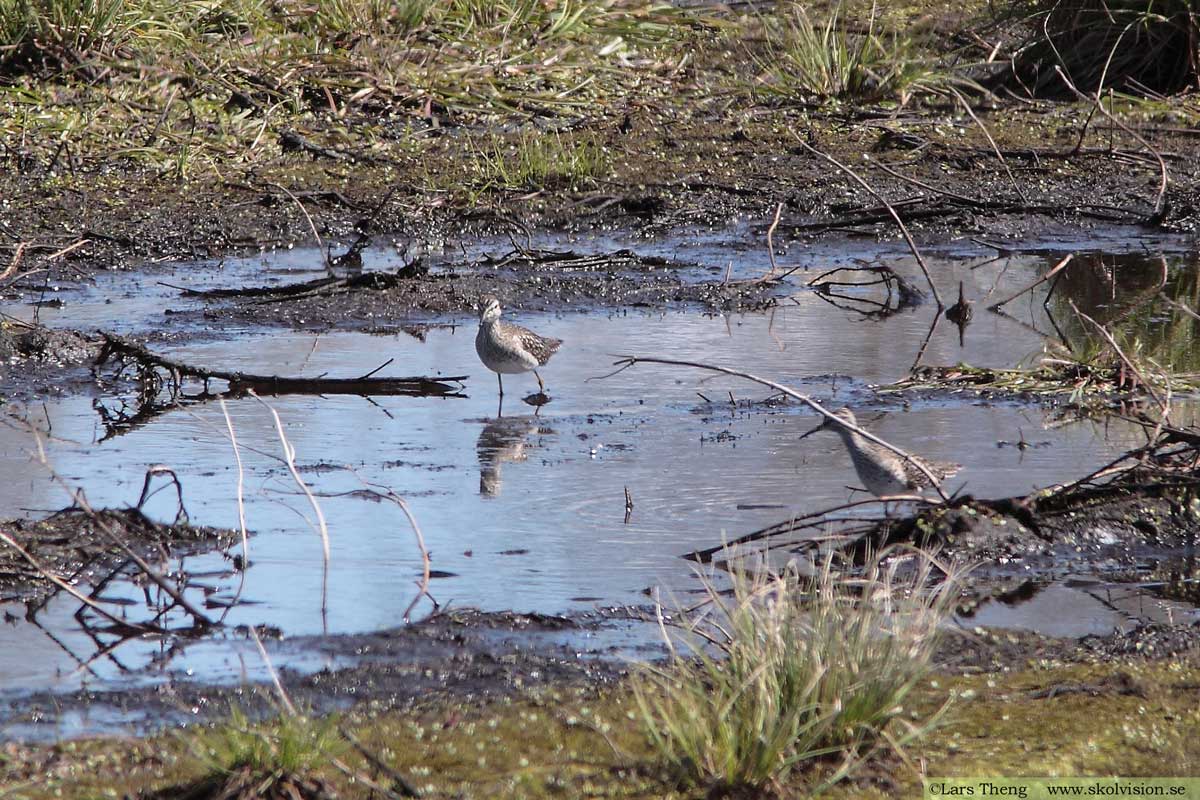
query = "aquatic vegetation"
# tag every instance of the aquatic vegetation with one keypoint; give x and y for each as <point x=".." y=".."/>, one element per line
<point x="804" y="668"/>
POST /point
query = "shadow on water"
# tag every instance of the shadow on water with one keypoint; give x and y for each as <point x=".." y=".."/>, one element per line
<point x="532" y="512"/>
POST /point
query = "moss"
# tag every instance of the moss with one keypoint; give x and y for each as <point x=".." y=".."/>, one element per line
<point x="1131" y="718"/>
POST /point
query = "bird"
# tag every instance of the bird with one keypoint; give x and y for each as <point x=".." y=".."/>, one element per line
<point x="883" y="472"/>
<point x="505" y="348"/>
<point x="960" y="312"/>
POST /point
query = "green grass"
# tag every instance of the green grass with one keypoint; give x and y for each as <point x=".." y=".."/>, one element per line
<point x="287" y="744"/>
<point x="201" y="84"/>
<point x="796" y="669"/>
<point x="817" y="60"/>
<point x="555" y="743"/>
<point x="540" y="160"/>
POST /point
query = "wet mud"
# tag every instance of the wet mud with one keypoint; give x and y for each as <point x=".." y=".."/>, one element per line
<point x="85" y="548"/>
<point x="38" y="362"/>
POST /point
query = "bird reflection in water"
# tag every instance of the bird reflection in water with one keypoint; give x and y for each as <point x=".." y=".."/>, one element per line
<point x="502" y="441"/>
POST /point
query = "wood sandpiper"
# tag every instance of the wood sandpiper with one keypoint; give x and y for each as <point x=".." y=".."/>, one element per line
<point x="505" y="348"/>
<point x="883" y="472"/>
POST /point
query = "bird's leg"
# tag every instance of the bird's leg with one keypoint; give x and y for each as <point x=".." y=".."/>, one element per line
<point x="541" y="386"/>
<point x="500" y="380"/>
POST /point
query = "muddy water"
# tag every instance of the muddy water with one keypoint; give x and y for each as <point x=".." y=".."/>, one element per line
<point x="528" y="512"/>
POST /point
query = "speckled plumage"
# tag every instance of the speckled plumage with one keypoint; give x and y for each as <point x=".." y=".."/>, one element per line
<point x="883" y="472"/>
<point x="508" y="349"/>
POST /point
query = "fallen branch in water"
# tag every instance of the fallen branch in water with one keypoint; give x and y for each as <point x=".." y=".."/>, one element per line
<point x="243" y="383"/>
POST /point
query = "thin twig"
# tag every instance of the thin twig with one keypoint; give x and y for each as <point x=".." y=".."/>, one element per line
<point x="1012" y="179"/>
<point x="426" y="573"/>
<point x="1057" y="268"/>
<point x="289" y="454"/>
<point x="241" y="504"/>
<point x="289" y="457"/>
<point x="279" y="690"/>
<point x="771" y="244"/>
<point x="311" y="226"/>
<point x="71" y="590"/>
<point x="18" y="254"/>
<point x="1121" y="355"/>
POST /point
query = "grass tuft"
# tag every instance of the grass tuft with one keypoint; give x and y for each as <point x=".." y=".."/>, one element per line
<point x="795" y="669"/>
<point x="813" y="60"/>
<point x="289" y="745"/>
<point x="540" y="161"/>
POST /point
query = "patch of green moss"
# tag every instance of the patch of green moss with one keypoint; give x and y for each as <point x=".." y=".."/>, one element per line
<point x="1131" y="718"/>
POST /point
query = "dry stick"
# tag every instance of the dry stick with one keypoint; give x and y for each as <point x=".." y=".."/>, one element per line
<point x="1178" y="305"/>
<point x="406" y="787"/>
<point x="1162" y="165"/>
<point x="628" y="361"/>
<point x="241" y="504"/>
<point x="972" y="201"/>
<point x="423" y="586"/>
<point x="1121" y="355"/>
<point x="1057" y="268"/>
<point x="151" y="573"/>
<point x="771" y="244"/>
<point x="925" y="342"/>
<point x="1012" y="179"/>
<point x="283" y="695"/>
<point x="16" y="260"/>
<point x="373" y="785"/>
<point x="311" y="226"/>
<point x="81" y="501"/>
<point x="289" y="454"/>
<point x="794" y="524"/>
<point x="74" y="246"/>
<point x="71" y="590"/>
<point x="892" y="211"/>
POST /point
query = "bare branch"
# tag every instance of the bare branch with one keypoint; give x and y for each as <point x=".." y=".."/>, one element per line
<point x="1054" y="271"/>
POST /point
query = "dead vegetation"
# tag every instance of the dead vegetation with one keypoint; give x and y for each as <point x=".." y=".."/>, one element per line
<point x="1138" y="48"/>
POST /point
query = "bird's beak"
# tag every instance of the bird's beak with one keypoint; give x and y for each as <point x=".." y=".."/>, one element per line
<point x="820" y="427"/>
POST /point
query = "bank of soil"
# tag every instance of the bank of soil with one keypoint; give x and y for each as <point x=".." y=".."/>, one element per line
<point x="457" y="713"/>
